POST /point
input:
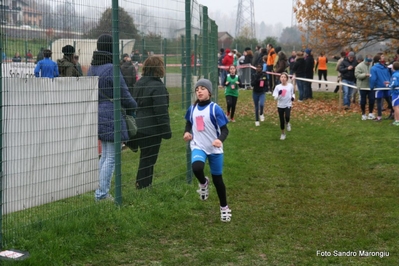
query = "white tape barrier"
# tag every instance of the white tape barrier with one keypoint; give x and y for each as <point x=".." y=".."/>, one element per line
<point x="309" y="80"/>
<point x="342" y="84"/>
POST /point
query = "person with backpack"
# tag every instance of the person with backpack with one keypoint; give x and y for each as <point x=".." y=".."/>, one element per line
<point x="260" y="86"/>
<point x="206" y="130"/>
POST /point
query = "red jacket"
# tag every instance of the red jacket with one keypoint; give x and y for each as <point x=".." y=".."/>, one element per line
<point x="228" y="60"/>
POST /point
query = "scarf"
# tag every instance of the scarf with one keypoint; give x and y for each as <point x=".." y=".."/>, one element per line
<point x="101" y="58"/>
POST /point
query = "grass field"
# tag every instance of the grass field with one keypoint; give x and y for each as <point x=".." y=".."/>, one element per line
<point x="326" y="195"/>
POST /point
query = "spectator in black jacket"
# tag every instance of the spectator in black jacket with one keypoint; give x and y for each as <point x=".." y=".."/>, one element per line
<point x="309" y="71"/>
<point x="128" y="71"/>
<point x="298" y="70"/>
<point x="136" y="58"/>
<point x="347" y="70"/>
<point x="152" y="117"/>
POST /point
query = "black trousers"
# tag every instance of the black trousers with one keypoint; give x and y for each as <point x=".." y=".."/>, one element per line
<point x="231" y="102"/>
<point x="149" y="149"/>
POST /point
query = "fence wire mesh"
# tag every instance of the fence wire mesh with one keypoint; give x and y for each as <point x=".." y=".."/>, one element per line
<point x="50" y="148"/>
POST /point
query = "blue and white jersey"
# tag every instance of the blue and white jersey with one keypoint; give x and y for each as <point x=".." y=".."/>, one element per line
<point x="395" y="81"/>
<point x="206" y="122"/>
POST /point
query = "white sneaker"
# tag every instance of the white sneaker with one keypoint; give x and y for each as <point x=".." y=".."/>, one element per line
<point x="364" y="117"/>
<point x="203" y="190"/>
<point x="225" y="214"/>
<point x="262" y="118"/>
<point x="371" y="116"/>
<point x="288" y="127"/>
<point x="257" y="123"/>
<point x="282" y="137"/>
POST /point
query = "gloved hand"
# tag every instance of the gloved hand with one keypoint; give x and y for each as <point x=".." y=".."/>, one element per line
<point x="292" y="99"/>
<point x="280" y="92"/>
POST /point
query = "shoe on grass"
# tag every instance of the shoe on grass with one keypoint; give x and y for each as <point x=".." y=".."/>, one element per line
<point x="371" y="116"/>
<point x="106" y="198"/>
<point x="288" y="126"/>
<point x="262" y="118"/>
<point x="203" y="190"/>
<point x="225" y="214"/>
<point x="282" y="137"/>
<point x="364" y="117"/>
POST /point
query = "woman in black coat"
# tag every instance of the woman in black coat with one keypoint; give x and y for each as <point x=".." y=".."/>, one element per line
<point x="152" y="117"/>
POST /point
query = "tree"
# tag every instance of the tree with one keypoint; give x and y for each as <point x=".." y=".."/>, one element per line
<point x="127" y="29"/>
<point x="272" y="40"/>
<point x="242" y="42"/>
<point x="290" y="35"/>
<point x="334" y="24"/>
<point x="291" y="39"/>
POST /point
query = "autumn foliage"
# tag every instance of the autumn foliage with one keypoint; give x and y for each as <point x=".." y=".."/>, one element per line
<point x="339" y="23"/>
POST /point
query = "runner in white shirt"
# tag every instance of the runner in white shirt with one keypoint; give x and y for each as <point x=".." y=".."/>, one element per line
<point x="284" y="94"/>
<point x="206" y="129"/>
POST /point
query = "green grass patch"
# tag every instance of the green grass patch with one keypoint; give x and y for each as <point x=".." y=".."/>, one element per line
<point x="332" y="185"/>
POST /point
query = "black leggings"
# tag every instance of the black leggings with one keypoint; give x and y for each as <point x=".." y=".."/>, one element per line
<point x="284" y="115"/>
<point x="231" y="102"/>
<point x="322" y="73"/>
<point x="198" y="170"/>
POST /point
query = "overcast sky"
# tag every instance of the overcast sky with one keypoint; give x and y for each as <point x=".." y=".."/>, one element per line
<point x="269" y="11"/>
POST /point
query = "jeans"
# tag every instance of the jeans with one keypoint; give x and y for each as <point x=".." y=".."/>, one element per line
<point x="223" y="75"/>
<point x="307" y="90"/>
<point x="363" y="99"/>
<point x="347" y="92"/>
<point x="106" y="168"/>
<point x="300" y="84"/>
<point x="259" y="102"/>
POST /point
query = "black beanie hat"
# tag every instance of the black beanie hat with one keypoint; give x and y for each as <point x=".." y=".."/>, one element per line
<point x="104" y="43"/>
<point x="68" y="49"/>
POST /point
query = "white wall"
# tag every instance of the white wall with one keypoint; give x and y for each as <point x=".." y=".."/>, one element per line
<point x="49" y="140"/>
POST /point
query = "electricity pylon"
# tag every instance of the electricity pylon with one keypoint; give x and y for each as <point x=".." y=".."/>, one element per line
<point x="245" y="23"/>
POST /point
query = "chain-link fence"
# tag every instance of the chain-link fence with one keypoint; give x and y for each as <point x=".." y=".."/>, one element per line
<point x="50" y="149"/>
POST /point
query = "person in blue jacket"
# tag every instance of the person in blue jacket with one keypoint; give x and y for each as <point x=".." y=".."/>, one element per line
<point x="380" y="76"/>
<point x="102" y="66"/>
<point x="394" y="85"/>
<point x="46" y="68"/>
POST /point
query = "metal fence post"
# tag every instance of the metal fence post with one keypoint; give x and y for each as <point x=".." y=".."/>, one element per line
<point x="117" y="102"/>
<point x="189" y="175"/>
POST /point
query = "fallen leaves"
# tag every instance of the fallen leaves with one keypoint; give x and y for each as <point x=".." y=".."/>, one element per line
<point x="327" y="107"/>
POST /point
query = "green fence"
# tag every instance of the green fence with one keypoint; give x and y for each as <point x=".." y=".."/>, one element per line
<point x="50" y="151"/>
